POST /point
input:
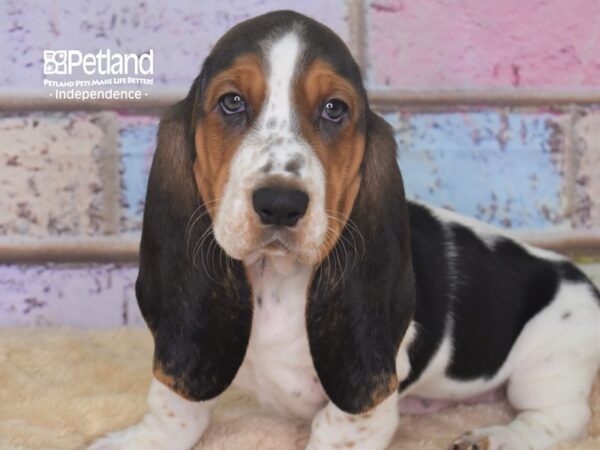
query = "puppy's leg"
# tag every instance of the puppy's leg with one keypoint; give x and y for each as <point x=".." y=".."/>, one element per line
<point x="554" y="408"/>
<point x="374" y="430"/>
<point x="173" y="423"/>
<point x="550" y="384"/>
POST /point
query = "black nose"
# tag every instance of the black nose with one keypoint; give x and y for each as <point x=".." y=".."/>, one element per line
<point x="279" y="206"/>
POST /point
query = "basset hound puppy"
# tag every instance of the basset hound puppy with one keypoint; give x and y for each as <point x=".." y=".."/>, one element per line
<point x="279" y="254"/>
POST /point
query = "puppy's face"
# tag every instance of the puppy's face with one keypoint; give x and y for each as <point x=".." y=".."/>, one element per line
<point x="279" y="140"/>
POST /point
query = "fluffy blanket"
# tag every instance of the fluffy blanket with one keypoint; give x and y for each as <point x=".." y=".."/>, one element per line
<point x="59" y="389"/>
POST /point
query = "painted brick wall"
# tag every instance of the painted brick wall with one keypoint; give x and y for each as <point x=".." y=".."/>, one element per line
<point x="82" y="175"/>
<point x="181" y="32"/>
<point x="465" y="43"/>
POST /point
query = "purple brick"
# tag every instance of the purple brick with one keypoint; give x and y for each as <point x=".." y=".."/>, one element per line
<point x="68" y="295"/>
<point x="181" y="35"/>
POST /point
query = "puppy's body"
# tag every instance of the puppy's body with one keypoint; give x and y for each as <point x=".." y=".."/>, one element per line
<point x="533" y="303"/>
<point x="323" y="293"/>
<point x="535" y="306"/>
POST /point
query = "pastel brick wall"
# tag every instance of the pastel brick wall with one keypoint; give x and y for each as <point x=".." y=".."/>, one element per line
<point x="82" y="175"/>
<point x="181" y="33"/>
<point x="466" y="43"/>
<point x="504" y="168"/>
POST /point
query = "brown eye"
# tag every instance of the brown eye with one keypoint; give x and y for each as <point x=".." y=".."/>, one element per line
<point x="232" y="103"/>
<point x="333" y="110"/>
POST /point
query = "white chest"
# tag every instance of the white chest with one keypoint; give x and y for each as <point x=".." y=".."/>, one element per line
<point x="278" y="368"/>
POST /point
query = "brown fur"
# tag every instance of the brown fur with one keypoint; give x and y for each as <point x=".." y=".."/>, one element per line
<point x="169" y="381"/>
<point x="388" y="385"/>
<point x="215" y="145"/>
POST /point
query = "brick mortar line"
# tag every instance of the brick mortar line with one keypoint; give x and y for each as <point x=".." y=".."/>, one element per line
<point x="381" y="98"/>
<point x="125" y="249"/>
<point x="93" y="249"/>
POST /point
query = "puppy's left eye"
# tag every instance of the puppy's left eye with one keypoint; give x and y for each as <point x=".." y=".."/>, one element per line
<point x="232" y="103"/>
<point x="334" y="110"/>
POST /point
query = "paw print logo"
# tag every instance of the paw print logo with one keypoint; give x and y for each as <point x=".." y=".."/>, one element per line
<point x="55" y="62"/>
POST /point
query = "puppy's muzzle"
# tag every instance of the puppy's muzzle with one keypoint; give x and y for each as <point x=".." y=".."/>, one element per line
<point x="276" y="206"/>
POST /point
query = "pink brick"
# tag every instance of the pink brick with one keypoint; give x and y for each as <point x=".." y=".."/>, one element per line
<point x="451" y="43"/>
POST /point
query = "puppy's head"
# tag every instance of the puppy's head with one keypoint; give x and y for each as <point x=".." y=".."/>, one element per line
<point x="275" y="151"/>
<point x="279" y="137"/>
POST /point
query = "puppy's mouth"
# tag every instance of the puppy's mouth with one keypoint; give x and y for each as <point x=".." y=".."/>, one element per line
<point x="277" y="240"/>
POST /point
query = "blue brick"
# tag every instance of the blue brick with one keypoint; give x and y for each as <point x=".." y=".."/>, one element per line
<point x="502" y="168"/>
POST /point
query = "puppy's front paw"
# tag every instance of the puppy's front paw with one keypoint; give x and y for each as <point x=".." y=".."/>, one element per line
<point x="490" y="438"/>
<point x="470" y="441"/>
<point x="133" y="438"/>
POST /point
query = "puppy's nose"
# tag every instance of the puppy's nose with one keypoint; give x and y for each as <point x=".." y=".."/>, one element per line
<point x="279" y="206"/>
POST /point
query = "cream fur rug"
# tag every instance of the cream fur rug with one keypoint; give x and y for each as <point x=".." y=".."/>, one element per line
<point x="59" y="389"/>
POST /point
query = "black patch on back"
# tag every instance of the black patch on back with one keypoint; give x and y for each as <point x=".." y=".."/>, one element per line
<point x="500" y="290"/>
<point x="491" y="294"/>
<point x="570" y="272"/>
<point x="431" y="279"/>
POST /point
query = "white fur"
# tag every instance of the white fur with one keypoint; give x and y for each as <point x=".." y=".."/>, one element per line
<point x="171" y="423"/>
<point x="550" y="372"/>
<point x="278" y="368"/>
<point x="335" y="429"/>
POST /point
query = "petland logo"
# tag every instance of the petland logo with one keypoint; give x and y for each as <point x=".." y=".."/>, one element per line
<point x="102" y="76"/>
<point x="105" y="62"/>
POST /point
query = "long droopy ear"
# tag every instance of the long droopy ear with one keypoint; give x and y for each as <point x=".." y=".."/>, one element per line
<point x="200" y="315"/>
<point x="356" y="319"/>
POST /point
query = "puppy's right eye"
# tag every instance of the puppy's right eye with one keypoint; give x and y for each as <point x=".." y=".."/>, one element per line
<point x="232" y="103"/>
<point x="334" y="110"/>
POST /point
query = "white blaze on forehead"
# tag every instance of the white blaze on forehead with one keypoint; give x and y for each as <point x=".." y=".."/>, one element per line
<point x="282" y="62"/>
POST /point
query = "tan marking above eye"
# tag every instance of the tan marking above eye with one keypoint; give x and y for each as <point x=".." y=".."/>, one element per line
<point x="322" y="83"/>
<point x="245" y="77"/>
